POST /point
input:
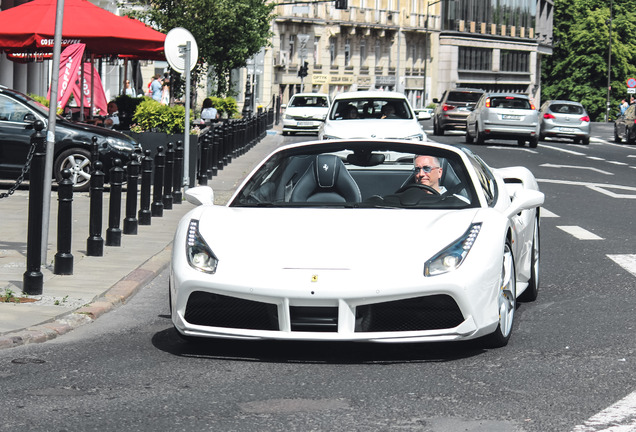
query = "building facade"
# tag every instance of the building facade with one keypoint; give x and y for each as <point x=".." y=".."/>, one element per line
<point x="417" y="47"/>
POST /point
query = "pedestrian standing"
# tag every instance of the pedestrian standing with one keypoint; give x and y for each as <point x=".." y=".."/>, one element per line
<point x="156" y="88"/>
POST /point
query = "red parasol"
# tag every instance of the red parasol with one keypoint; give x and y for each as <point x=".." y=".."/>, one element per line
<point x="30" y="28"/>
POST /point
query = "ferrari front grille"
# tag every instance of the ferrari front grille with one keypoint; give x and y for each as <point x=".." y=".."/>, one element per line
<point x="314" y="319"/>
<point x="414" y="314"/>
<point x="216" y="310"/>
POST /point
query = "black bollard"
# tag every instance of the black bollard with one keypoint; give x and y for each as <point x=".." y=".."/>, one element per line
<point x="33" y="279"/>
<point x="146" y="183"/>
<point x="203" y="161"/>
<point x="177" y="196"/>
<point x="94" y="150"/>
<point x="168" y="176"/>
<point x="157" y="195"/>
<point x="95" y="242"/>
<point x="63" y="262"/>
<point x="130" y="221"/>
<point x="113" y="232"/>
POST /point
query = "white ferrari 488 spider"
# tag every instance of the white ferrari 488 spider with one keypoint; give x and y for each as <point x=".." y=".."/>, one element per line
<point x="360" y="240"/>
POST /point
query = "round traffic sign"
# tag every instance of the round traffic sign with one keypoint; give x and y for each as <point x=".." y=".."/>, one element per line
<point x="631" y="82"/>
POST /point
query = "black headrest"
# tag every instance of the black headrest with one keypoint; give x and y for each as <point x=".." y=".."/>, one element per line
<point x="326" y="180"/>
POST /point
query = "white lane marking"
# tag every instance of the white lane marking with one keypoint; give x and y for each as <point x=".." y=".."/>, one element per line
<point x="620" y="417"/>
<point x="579" y="233"/>
<point x="627" y="261"/>
<point x="514" y="148"/>
<point x="563" y="150"/>
<point x="577" y="167"/>
<point x="545" y="213"/>
<point x="596" y="158"/>
<point x="598" y="187"/>
<point x="617" y="162"/>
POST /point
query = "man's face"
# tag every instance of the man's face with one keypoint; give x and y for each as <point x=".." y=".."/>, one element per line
<point x="430" y="178"/>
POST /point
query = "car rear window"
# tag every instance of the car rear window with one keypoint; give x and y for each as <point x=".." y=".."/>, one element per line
<point x="510" y="102"/>
<point x="566" y="109"/>
<point x="457" y="96"/>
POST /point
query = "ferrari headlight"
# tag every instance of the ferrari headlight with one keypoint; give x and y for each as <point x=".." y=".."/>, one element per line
<point x="451" y="257"/>
<point x="199" y="254"/>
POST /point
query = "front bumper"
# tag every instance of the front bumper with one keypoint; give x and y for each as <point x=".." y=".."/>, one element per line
<point x="304" y="125"/>
<point x="437" y="309"/>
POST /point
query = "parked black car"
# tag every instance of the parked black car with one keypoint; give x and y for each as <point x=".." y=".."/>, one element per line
<point x="73" y="141"/>
<point x="625" y="126"/>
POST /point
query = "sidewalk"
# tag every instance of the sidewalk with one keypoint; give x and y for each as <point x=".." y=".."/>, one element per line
<point x="98" y="284"/>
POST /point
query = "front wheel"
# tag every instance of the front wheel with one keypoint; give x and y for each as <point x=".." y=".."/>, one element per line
<point x="78" y="162"/>
<point x="506" y="301"/>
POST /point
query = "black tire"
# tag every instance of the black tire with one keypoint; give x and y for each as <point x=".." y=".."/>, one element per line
<point x="617" y="138"/>
<point x="586" y="141"/>
<point x="521" y="142"/>
<point x="531" y="293"/>
<point x="436" y="129"/>
<point x="469" y="137"/>
<point x="78" y="161"/>
<point x="534" y="142"/>
<point x="630" y="136"/>
<point x="500" y="337"/>
<point x="479" y="136"/>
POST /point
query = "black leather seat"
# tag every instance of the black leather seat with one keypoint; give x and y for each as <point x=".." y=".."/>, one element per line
<point x="326" y="180"/>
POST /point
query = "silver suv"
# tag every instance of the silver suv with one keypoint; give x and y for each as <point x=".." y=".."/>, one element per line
<point x="453" y="108"/>
<point x="509" y="116"/>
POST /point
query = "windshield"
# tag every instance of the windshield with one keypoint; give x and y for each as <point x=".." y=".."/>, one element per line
<point x="360" y="109"/>
<point x="360" y="176"/>
<point x="309" y="101"/>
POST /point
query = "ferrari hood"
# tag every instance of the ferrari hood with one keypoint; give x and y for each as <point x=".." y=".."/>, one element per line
<point x="329" y="238"/>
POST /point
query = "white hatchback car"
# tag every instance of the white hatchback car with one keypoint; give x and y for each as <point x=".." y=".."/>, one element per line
<point x="371" y="114"/>
<point x="305" y="112"/>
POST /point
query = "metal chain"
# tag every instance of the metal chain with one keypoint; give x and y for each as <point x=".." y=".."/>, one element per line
<point x="25" y="170"/>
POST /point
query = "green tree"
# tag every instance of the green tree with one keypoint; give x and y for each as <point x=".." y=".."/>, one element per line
<point x="577" y="70"/>
<point x="228" y="32"/>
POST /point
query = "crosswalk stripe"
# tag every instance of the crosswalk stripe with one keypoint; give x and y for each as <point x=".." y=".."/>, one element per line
<point x="615" y="418"/>
<point x="627" y="261"/>
<point x="579" y="233"/>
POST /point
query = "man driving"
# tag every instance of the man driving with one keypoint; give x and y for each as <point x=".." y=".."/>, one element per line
<point x="428" y="172"/>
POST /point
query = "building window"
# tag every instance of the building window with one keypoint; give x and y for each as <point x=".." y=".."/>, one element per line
<point x="317" y="51"/>
<point x="475" y="59"/>
<point x="363" y="53"/>
<point x="292" y="41"/>
<point x="333" y="52"/>
<point x="514" y="61"/>
<point x="378" y="52"/>
<point x="347" y="52"/>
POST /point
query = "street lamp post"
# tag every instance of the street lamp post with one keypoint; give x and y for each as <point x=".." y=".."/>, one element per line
<point x="609" y="64"/>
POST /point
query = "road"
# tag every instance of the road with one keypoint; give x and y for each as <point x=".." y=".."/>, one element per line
<point x="569" y="366"/>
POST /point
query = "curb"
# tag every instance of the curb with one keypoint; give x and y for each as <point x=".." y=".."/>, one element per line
<point x="114" y="297"/>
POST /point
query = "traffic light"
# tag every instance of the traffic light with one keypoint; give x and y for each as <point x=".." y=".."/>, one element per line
<point x="342" y="4"/>
<point x="302" y="71"/>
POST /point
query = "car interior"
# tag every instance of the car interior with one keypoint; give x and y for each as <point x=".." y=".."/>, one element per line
<point x="359" y="178"/>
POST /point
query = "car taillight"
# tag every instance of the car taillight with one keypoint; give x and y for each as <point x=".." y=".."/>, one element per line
<point x="447" y="107"/>
<point x="548" y="116"/>
<point x="585" y="119"/>
<point x="532" y="106"/>
<point x="487" y="103"/>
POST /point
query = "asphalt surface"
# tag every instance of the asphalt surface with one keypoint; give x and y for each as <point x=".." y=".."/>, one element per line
<point x="98" y="284"/>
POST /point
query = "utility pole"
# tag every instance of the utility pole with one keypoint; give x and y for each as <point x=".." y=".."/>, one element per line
<point x="609" y="64"/>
